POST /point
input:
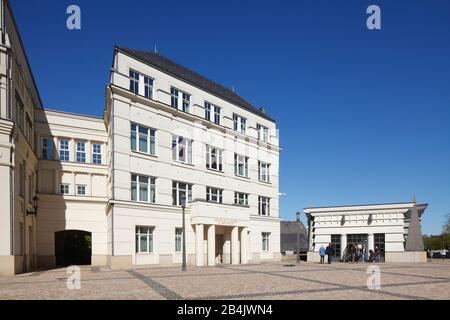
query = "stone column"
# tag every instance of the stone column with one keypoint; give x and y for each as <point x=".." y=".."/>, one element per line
<point x="343" y="244"/>
<point x="370" y="242"/>
<point x="235" y="245"/>
<point x="199" y="245"/>
<point x="244" y="244"/>
<point x="226" y="259"/>
<point x="211" y="245"/>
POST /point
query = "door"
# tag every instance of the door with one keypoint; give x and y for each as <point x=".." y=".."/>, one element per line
<point x="219" y="248"/>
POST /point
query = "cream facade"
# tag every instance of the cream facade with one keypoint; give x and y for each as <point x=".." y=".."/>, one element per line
<point x="113" y="186"/>
<point x="385" y="226"/>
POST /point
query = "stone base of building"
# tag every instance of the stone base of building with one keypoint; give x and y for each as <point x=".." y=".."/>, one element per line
<point x="8" y="265"/>
<point x="99" y="260"/>
<point x="119" y="262"/>
<point x="407" y="256"/>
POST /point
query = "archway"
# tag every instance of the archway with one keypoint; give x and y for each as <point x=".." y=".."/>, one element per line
<point x="73" y="247"/>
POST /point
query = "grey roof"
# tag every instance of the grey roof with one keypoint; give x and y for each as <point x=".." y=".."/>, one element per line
<point x="192" y="77"/>
<point x="288" y="236"/>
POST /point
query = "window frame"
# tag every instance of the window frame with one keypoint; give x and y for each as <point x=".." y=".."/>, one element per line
<point x="263" y="132"/>
<point x="178" y="239"/>
<point x="150" y="139"/>
<point x="78" y="189"/>
<point x="214" y="192"/>
<point x="61" y="185"/>
<point x="239" y="123"/>
<point x="261" y="202"/>
<point x="218" y="154"/>
<point x="134" y="82"/>
<point x="212" y="113"/>
<point x="265" y="243"/>
<point x="138" y="184"/>
<point x="61" y="150"/>
<point x="46" y="150"/>
<point x="149" y="236"/>
<point x="238" y="162"/>
<point x="266" y="167"/>
<point x="176" y="191"/>
<point x="237" y="198"/>
<point x="82" y="154"/>
<point x="95" y="154"/>
<point x="188" y="152"/>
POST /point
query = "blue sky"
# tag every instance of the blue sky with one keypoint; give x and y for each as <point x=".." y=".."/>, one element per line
<point x="364" y="116"/>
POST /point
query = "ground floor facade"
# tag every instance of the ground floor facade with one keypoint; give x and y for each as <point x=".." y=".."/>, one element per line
<point x="380" y="228"/>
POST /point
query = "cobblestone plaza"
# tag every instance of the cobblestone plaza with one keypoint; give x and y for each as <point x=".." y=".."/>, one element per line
<point x="280" y="280"/>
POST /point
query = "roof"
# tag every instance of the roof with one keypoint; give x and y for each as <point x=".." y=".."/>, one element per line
<point x="168" y="66"/>
<point x="288" y="236"/>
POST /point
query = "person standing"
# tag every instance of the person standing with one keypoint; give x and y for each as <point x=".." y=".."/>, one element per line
<point x="443" y="254"/>
<point x="330" y="252"/>
<point x="322" y="253"/>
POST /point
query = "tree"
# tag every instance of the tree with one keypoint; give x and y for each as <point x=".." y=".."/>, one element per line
<point x="446" y="226"/>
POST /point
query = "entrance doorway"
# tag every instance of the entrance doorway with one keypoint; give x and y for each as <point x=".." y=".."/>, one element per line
<point x="219" y="248"/>
<point x="73" y="247"/>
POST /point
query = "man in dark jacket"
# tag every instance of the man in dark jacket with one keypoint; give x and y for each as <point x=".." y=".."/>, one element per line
<point x="330" y="253"/>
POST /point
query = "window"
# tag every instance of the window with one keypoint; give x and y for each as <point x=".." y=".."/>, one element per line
<point x="19" y="112"/>
<point x="241" y="199"/>
<point x="64" y="188"/>
<point x="28" y="129"/>
<point x="97" y="153"/>
<point x="186" y="102"/>
<point x="213" y="195"/>
<point x="212" y="113"/>
<point x="134" y="81"/>
<point x="174" y="98"/>
<point x="213" y="158"/>
<point x="185" y="99"/>
<point x="140" y="186"/>
<point x="47" y="149"/>
<point x="181" y="149"/>
<point x="180" y="189"/>
<point x="22" y="180"/>
<point x="148" y="86"/>
<point x="143" y="139"/>
<point x="264" y="173"/>
<point x="64" y="150"/>
<point x="144" y="239"/>
<point x="178" y="239"/>
<point x="30" y="189"/>
<point x="265" y="241"/>
<point x="263" y="206"/>
<point x="81" y="152"/>
<point x="81" y="190"/>
<point x="336" y="244"/>
<point x="263" y="133"/>
<point x="240" y="165"/>
<point x="239" y="123"/>
<point x="379" y="242"/>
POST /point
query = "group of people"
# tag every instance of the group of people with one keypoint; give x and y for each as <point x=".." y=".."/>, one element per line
<point x="353" y="253"/>
<point x="328" y="251"/>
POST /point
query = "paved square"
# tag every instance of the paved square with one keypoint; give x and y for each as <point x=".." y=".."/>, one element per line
<point x="280" y="280"/>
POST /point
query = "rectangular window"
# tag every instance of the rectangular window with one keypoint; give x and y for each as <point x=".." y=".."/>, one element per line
<point x="263" y="206"/>
<point x="179" y="190"/>
<point x="239" y="123"/>
<point x="263" y="133"/>
<point x="47" y="149"/>
<point x="144" y="239"/>
<point x="148" y="86"/>
<point x="186" y="102"/>
<point x="214" y="195"/>
<point x="140" y="188"/>
<point x="81" y="152"/>
<point x="134" y="81"/>
<point x="178" y="239"/>
<point x="181" y="149"/>
<point x="22" y="180"/>
<point x="143" y="139"/>
<point x="336" y="244"/>
<point x="174" y="98"/>
<point x="264" y="171"/>
<point x="265" y="241"/>
<point x="214" y="158"/>
<point x="29" y="129"/>
<point x="240" y="165"/>
<point x="64" y="188"/>
<point x="30" y="189"/>
<point x="64" y="150"/>
<point x="212" y="113"/>
<point x="19" y="112"/>
<point x="241" y="199"/>
<point x="96" y="153"/>
<point x="81" y="190"/>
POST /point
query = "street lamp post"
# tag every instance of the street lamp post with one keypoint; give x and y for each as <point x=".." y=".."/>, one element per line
<point x="298" y="236"/>
<point x="183" y="207"/>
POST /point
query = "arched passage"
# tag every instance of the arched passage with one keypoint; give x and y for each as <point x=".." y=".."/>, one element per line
<point x="73" y="247"/>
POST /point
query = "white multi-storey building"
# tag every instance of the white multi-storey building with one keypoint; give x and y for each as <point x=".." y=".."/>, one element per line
<point x="108" y="191"/>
